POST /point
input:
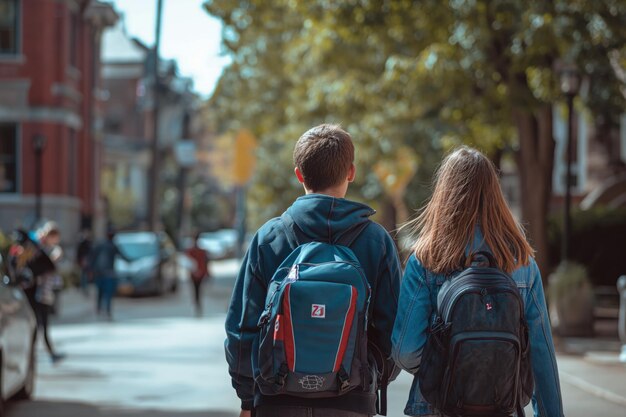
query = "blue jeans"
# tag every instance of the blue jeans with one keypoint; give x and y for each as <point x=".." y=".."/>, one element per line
<point x="277" y="411"/>
<point x="84" y="280"/>
<point x="107" y="286"/>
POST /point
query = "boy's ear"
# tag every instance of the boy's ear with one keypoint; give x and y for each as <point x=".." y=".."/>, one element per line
<point x="299" y="175"/>
<point x="352" y="173"/>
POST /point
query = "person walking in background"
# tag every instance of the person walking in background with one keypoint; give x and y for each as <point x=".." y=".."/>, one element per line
<point x="42" y="280"/>
<point x="468" y="216"/>
<point x="82" y="260"/>
<point x="102" y="264"/>
<point x="199" y="273"/>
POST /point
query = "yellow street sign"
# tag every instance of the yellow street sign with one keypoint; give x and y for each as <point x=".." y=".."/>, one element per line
<point x="245" y="157"/>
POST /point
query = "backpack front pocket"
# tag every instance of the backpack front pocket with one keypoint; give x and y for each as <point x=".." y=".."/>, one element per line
<point x="318" y="330"/>
<point x="473" y="383"/>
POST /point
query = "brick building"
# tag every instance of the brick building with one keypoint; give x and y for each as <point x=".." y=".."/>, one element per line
<point x="50" y="86"/>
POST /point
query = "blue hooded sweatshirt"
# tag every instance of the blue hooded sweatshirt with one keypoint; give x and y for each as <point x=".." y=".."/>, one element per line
<point x="317" y="218"/>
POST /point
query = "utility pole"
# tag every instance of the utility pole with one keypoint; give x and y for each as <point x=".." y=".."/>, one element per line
<point x="153" y="181"/>
<point x="186" y="158"/>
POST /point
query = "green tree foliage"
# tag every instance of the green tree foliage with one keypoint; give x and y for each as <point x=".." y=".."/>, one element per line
<point x="426" y="74"/>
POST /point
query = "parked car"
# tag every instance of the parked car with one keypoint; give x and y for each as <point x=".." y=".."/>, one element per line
<point x="152" y="265"/>
<point x="220" y="244"/>
<point x="18" y="330"/>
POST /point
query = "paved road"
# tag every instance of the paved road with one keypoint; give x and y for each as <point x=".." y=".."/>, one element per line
<point x="157" y="360"/>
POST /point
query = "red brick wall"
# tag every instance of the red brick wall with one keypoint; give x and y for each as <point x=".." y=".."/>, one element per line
<point x="45" y="46"/>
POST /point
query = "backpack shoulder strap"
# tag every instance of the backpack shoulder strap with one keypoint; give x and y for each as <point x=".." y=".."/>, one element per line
<point x="348" y="238"/>
<point x="290" y="230"/>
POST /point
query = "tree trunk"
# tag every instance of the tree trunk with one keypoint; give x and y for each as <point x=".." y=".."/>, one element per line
<point x="535" y="160"/>
<point x="496" y="157"/>
<point x="388" y="214"/>
<point x="402" y="211"/>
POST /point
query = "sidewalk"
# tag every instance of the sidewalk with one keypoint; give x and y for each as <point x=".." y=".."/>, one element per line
<point x="592" y="365"/>
<point x="593" y="381"/>
<point x="73" y="305"/>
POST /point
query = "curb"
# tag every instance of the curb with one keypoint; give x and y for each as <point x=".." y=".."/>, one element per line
<point x="604" y="358"/>
<point x="592" y="389"/>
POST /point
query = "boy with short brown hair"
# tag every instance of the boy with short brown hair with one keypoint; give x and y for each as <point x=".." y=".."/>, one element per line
<point x="324" y="165"/>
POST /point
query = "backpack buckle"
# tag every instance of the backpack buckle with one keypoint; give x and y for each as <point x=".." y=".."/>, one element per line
<point x="282" y="373"/>
<point x="344" y="379"/>
<point x="265" y="317"/>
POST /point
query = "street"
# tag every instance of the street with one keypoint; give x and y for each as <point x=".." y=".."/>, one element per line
<point x="156" y="359"/>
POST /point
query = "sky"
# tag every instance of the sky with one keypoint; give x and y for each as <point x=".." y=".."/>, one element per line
<point x="188" y="34"/>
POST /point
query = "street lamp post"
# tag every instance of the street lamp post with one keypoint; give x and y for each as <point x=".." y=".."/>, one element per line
<point x="621" y="288"/>
<point x="39" y="144"/>
<point x="570" y="83"/>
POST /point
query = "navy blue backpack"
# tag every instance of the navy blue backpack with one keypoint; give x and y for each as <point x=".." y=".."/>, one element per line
<point x="313" y="331"/>
<point x="476" y="361"/>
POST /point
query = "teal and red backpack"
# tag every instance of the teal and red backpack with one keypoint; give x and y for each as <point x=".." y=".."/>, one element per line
<point x="313" y="331"/>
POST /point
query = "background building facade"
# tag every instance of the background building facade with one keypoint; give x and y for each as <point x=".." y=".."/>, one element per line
<point x="129" y="128"/>
<point x="50" y="90"/>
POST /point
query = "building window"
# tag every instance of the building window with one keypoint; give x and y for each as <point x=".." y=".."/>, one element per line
<point x="8" y="27"/>
<point x="8" y="158"/>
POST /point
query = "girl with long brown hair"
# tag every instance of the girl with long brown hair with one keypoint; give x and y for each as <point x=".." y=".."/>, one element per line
<point x="467" y="214"/>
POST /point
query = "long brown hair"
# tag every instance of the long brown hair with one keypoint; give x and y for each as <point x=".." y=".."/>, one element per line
<point x="467" y="195"/>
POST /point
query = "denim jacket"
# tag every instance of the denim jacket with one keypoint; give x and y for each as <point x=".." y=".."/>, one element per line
<point x="416" y="311"/>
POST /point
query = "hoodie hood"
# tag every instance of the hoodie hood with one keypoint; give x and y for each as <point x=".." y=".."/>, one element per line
<point x="326" y="219"/>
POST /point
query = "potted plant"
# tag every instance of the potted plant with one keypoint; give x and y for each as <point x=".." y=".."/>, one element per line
<point x="570" y="294"/>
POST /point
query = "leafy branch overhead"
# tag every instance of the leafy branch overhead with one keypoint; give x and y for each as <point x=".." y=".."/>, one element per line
<point x="427" y="75"/>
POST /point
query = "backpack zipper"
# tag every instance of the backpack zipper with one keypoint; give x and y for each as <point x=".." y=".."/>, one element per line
<point x="267" y="311"/>
<point x="447" y="308"/>
<point x="352" y="264"/>
<point x="475" y="285"/>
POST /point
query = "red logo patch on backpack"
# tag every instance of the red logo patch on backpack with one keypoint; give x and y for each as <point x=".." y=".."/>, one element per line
<point x="318" y="311"/>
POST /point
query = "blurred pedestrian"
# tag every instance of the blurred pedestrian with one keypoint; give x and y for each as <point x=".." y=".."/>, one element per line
<point x="49" y="236"/>
<point x="200" y="271"/>
<point x="36" y="263"/>
<point x="102" y="265"/>
<point x="82" y="260"/>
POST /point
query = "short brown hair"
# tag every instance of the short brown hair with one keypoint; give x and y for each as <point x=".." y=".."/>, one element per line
<point x="324" y="155"/>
